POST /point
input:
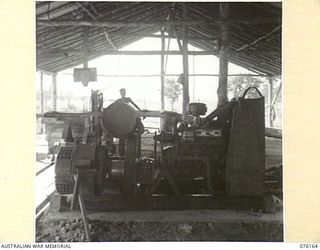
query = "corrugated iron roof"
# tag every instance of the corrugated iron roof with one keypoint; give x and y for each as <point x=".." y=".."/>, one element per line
<point x="254" y="30"/>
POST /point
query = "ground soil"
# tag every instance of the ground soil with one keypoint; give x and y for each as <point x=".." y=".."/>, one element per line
<point x="103" y="231"/>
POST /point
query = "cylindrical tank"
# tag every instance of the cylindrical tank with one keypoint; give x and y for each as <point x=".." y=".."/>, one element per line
<point x="120" y="119"/>
<point x="196" y="108"/>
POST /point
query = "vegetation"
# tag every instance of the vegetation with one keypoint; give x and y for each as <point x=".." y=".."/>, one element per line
<point x="237" y="85"/>
<point x="172" y="90"/>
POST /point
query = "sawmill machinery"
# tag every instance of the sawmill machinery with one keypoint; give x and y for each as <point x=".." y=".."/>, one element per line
<point x="222" y="152"/>
<point x="93" y="154"/>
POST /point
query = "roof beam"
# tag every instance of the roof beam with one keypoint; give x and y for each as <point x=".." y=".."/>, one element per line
<point x="67" y="52"/>
<point x="56" y="23"/>
<point x="105" y="32"/>
<point x="177" y="75"/>
<point x="55" y="12"/>
<point x="202" y="38"/>
<point x="245" y="46"/>
<point x="147" y="52"/>
<point x="119" y="23"/>
<point x="120" y="52"/>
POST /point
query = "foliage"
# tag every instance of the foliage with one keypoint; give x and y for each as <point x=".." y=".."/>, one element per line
<point x="237" y="85"/>
<point x="172" y="90"/>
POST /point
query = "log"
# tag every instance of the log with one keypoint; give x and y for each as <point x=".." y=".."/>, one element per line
<point x="273" y="132"/>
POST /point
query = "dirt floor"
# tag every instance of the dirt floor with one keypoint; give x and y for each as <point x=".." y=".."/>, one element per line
<point x="103" y="231"/>
<point x="184" y="225"/>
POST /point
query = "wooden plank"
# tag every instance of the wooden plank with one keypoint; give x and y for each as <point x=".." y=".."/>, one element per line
<point x="44" y="203"/>
<point x="44" y="168"/>
<point x="84" y="214"/>
<point x="75" y="192"/>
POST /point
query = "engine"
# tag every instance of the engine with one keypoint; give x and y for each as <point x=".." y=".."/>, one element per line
<point x="192" y="160"/>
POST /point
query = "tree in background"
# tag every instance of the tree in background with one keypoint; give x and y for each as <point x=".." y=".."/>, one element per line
<point x="237" y="85"/>
<point x="172" y="90"/>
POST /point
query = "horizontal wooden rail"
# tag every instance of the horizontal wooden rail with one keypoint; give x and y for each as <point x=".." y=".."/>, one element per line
<point x="138" y="24"/>
<point x="44" y="168"/>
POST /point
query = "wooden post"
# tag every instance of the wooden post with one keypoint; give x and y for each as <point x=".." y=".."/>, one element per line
<point x="54" y="92"/>
<point x="270" y="101"/>
<point x="162" y="70"/>
<point x="223" y="55"/>
<point x="186" y="98"/>
<point x="193" y="78"/>
<point x="85" y="46"/>
<point x="41" y="94"/>
<point x="41" y="101"/>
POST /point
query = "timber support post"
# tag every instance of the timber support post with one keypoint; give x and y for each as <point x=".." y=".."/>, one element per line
<point x="270" y="101"/>
<point x="41" y="101"/>
<point x="186" y="98"/>
<point x="85" y="47"/>
<point x="223" y="55"/>
<point x="54" y="92"/>
<point x="162" y="72"/>
<point x="41" y="94"/>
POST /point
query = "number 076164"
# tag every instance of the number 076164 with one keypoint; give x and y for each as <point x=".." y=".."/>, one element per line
<point x="308" y="245"/>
